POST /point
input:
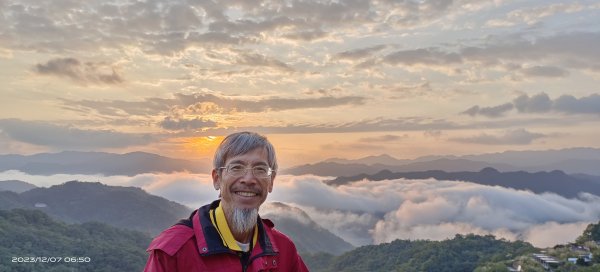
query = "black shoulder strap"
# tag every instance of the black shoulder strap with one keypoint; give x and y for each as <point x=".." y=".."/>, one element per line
<point x="187" y="221"/>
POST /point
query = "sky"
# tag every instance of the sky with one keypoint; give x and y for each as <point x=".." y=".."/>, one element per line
<point x="320" y="78"/>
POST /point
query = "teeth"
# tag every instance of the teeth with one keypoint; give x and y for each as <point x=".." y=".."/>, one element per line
<point x="246" y="193"/>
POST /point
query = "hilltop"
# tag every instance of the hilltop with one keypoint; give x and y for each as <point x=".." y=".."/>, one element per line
<point x="16" y="186"/>
<point x="540" y="182"/>
<point x="78" y="202"/>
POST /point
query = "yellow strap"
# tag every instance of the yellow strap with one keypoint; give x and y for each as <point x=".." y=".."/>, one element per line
<point x="224" y="231"/>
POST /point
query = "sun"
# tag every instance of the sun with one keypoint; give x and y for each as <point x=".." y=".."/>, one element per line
<point x="200" y="146"/>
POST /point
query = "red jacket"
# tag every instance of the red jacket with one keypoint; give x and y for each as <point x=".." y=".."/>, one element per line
<point x="200" y="248"/>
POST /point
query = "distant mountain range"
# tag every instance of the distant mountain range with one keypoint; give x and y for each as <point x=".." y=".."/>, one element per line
<point x="555" y="182"/>
<point x="384" y="159"/>
<point x="75" y="162"/>
<point x="132" y="208"/>
<point x="542" y="158"/>
<point x="337" y="169"/>
<point x="572" y="161"/>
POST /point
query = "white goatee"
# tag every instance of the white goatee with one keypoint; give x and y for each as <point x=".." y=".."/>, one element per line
<point x="243" y="220"/>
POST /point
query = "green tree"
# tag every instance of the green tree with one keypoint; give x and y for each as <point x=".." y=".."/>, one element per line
<point x="591" y="233"/>
<point x="492" y="267"/>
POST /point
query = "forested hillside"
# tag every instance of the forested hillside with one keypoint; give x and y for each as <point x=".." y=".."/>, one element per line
<point x="99" y="247"/>
<point x="95" y="246"/>
<point x="463" y="253"/>
<point x="78" y="202"/>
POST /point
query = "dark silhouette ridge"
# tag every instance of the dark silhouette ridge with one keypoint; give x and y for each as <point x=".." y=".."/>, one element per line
<point x="75" y="162"/>
<point x="540" y="182"/>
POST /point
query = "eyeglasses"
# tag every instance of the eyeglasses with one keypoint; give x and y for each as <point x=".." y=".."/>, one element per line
<point x="239" y="170"/>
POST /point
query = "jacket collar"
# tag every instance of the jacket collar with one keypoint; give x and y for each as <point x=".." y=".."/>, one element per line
<point x="209" y="241"/>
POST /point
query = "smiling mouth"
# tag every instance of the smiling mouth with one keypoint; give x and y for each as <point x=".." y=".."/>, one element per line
<point x="246" y="194"/>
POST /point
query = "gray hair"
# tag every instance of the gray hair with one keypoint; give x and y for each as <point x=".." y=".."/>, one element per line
<point x="241" y="143"/>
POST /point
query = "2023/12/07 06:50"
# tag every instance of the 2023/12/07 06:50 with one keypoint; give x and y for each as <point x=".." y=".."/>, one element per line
<point x="66" y="259"/>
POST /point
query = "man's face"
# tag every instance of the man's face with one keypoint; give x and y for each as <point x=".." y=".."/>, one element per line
<point x="247" y="191"/>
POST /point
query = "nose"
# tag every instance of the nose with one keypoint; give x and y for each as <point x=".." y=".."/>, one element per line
<point x="248" y="177"/>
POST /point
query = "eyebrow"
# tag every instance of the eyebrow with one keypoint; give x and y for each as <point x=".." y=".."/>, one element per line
<point x="245" y="163"/>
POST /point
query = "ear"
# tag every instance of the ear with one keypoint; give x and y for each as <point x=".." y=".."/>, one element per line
<point x="271" y="183"/>
<point x="216" y="179"/>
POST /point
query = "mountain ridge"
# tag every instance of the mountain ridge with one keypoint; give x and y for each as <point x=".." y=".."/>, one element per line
<point x="556" y="181"/>
<point x="80" y="162"/>
<point x="576" y="160"/>
<point x="580" y="160"/>
<point x="307" y="235"/>
<point x="339" y="169"/>
<point x="16" y="186"/>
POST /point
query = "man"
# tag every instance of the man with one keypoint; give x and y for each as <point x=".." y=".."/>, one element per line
<point x="228" y="234"/>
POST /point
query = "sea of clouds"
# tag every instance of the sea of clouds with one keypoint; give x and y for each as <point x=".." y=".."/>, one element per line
<point x="367" y="212"/>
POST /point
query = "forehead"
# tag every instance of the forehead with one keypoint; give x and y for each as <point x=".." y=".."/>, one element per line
<point x="254" y="156"/>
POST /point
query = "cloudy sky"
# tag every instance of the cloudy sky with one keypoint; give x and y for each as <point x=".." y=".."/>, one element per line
<point x="321" y="78"/>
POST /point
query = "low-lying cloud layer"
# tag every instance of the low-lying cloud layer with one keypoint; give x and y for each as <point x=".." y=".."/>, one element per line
<point x="368" y="212"/>
<point x="431" y="209"/>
